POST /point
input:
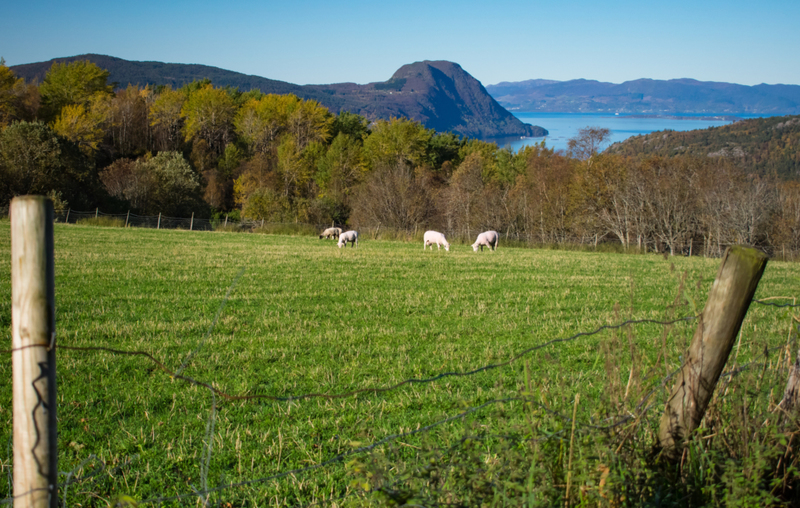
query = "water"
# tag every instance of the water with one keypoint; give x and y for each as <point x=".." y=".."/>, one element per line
<point x="563" y="126"/>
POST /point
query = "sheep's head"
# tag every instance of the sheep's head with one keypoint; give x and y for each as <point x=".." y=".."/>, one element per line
<point x="447" y="247"/>
<point x="475" y="247"/>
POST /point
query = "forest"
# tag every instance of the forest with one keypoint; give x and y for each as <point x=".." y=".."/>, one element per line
<point x="211" y="150"/>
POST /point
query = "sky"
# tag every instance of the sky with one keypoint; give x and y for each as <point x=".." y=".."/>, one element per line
<point x="321" y="42"/>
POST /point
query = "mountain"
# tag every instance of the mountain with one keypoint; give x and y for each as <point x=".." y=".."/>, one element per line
<point x="763" y="145"/>
<point x="439" y="94"/>
<point x="646" y="96"/>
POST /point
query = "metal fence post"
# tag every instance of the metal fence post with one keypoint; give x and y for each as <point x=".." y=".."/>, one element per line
<point x="34" y="357"/>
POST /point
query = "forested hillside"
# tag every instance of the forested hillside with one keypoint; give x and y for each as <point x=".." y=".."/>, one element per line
<point x="766" y="146"/>
<point x="650" y="96"/>
<point x="205" y="150"/>
<point x="440" y="95"/>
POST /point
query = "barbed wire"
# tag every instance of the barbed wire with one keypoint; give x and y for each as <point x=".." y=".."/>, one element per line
<point x="291" y="398"/>
<point x="762" y="302"/>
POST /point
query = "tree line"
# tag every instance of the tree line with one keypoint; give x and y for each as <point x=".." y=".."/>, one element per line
<point x="212" y="150"/>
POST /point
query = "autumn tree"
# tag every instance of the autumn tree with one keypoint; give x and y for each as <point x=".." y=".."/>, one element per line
<point x="396" y="142"/>
<point x="73" y="83"/>
<point x="209" y="114"/>
<point x="588" y="142"/>
<point x="541" y="201"/>
<point x="18" y="101"/>
<point x="261" y="122"/>
<point x="83" y="125"/>
<point x="464" y="196"/>
<point x="29" y="160"/>
<point x="128" y="124"/>
<point x="34" y="160"/>
<point x="785" y="226"/>
<point x="162" y="184"/>
<point x="166" y="118"/>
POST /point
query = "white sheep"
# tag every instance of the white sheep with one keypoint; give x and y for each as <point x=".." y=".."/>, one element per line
<point x="432" y="237"/>
<point x="349" y="236"/>
<point x="488" y="239"/>
<point x="331" y="233"/>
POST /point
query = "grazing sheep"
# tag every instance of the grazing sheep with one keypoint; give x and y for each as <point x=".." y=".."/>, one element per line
<point x="331" y="233"/>
<point x="487" y="238"/>
<point x="432" y="237"/>
<point x="349" y="236"/>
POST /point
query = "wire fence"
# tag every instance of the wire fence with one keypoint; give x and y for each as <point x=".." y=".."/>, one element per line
<point x="202" y="491"/>
<point x="373" y="232"/>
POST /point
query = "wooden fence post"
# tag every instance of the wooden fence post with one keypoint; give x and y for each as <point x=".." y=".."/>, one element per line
<point x="727" y="304"/>
<point x="158" y="226"/>
<point x="67" y="219"/>
<point x="191" y="223"/>
<point x="127" y="217"/>
<point x="34" y="356"/>
<point x="226" y="220"/>
<point x="96" y="212"/>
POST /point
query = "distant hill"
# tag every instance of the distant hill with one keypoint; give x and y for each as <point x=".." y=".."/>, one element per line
<point x="440" y="95"/>
<point x="646" y="96"/>
<point x="763" y="145"/>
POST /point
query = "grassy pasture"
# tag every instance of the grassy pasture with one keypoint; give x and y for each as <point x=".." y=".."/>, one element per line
<point x="304" y="316"/>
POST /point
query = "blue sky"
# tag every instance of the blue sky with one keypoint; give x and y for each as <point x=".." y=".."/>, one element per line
<point x="313" y="41"/>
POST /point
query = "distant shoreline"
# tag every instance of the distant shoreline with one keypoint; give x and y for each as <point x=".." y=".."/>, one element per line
<point x="711" y="118"/>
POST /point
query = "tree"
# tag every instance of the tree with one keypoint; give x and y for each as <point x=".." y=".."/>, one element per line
<point x="588" y="142"/>
<point x="351" y="124"/>
<point x="34" y="160"/>
<point x="209" y="114"/>
<point x="81" y="125"/>
<point x="166" y="117"/>
<point x="72" y="84"/>
<point x="396" y="142"/>
<point x="128" y="125"/>
<point x="9" y="101"/>
<point x="464" y="203"/>
<point x="309" y="122"/>
<point x="341" y="167"/>
<point x="261" y="122"/>
<point x="29" y="160"/>
<point x="161" y="184"/>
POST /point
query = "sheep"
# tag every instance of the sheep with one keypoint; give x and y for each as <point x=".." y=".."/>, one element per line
<point x="432" y="237"/>
<point x="331" y="233"/>
<point x="487" y="238"/>
<point x="349" y="236"/>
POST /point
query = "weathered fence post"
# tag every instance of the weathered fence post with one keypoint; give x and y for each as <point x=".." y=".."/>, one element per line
<point x="226" y="220"/>
<point x="96" y="212"/>
<point x="34" y="356"/>
<point x="191" y="223"/>
<point x="158" y="226"/>
<point x="728" y="301"/>
<point x="66" y="221"/>
<point x="127" y="217"/>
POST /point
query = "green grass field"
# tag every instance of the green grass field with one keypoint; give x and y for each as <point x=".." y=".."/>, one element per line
<point x="303" y="316"/>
